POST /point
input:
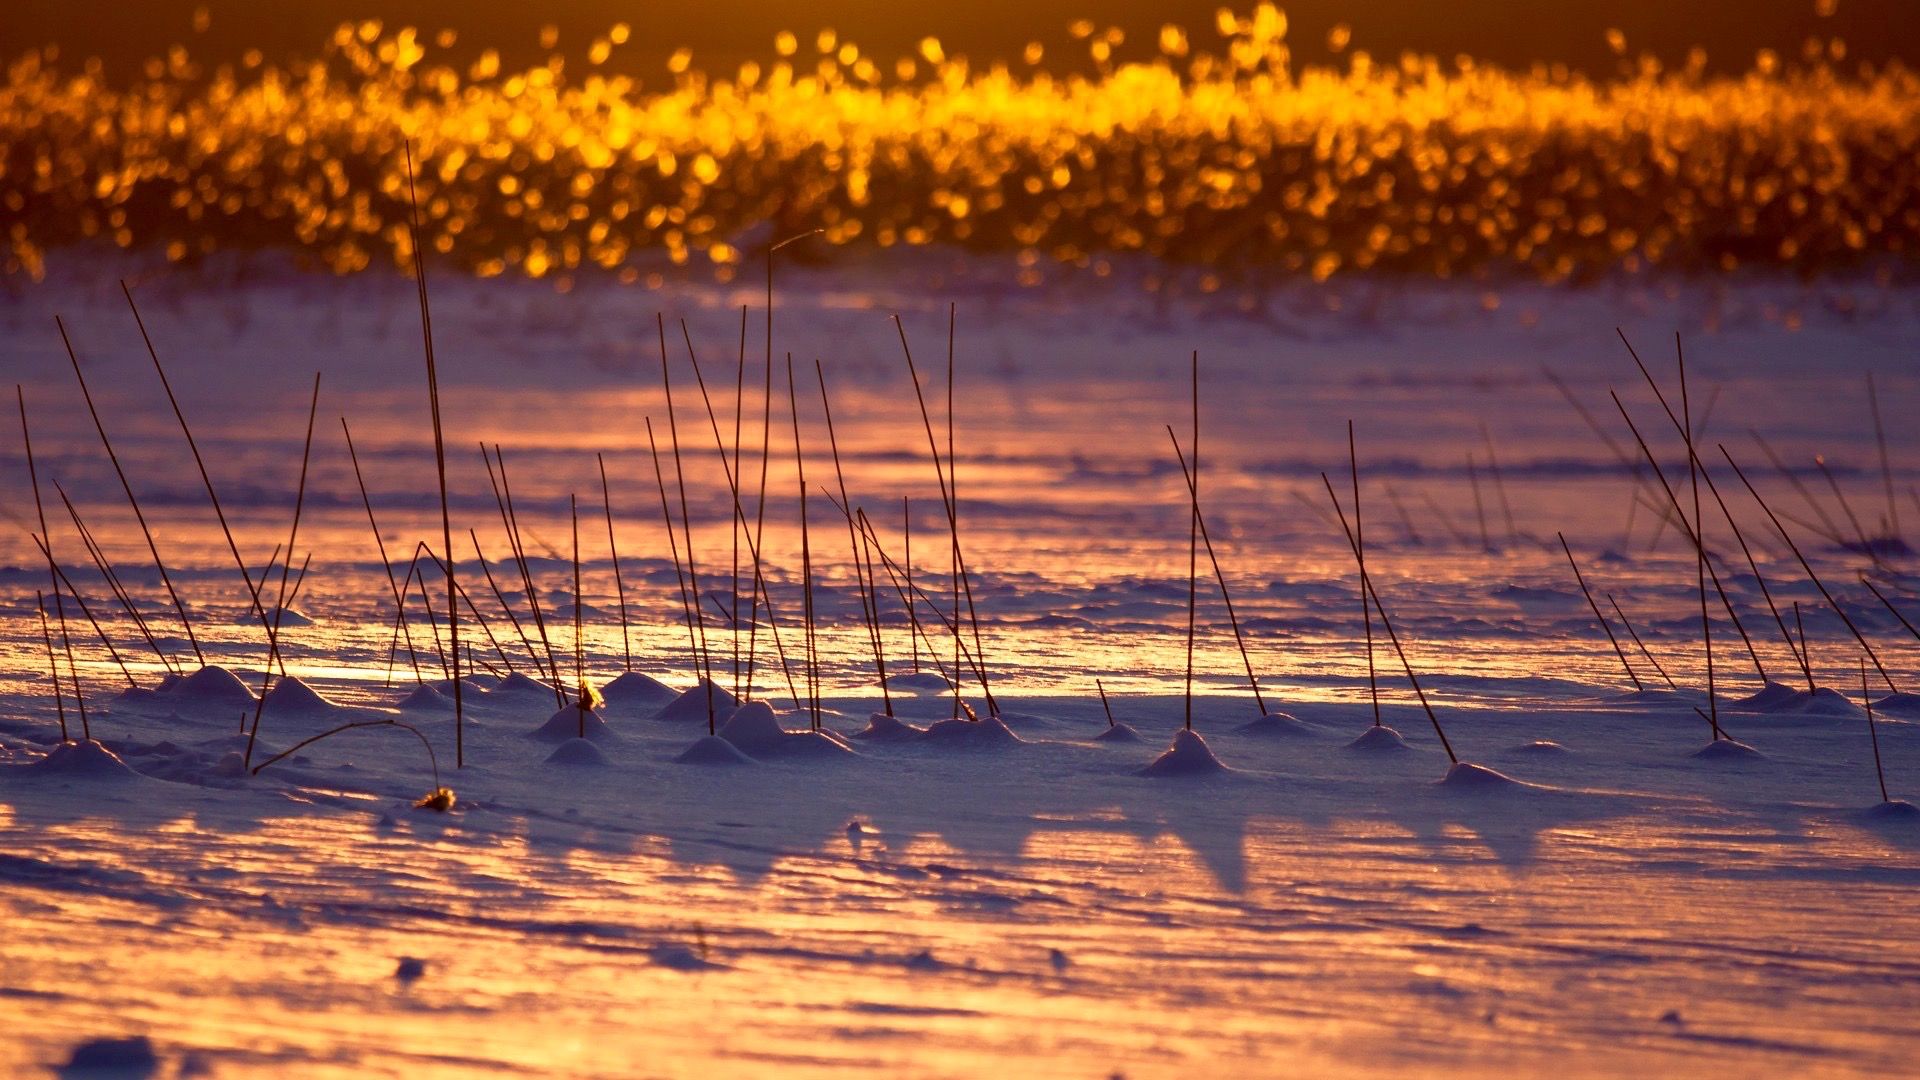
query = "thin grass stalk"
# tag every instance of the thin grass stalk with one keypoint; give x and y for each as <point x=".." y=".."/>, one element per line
<point x="1701" y="562"/>
<point x="304" y="743"/>
<point x="760" y="505"/>
<point x="739" y="511"/>
<point x="380" y="544"/>
<point x="73" y="671"/>
<point x="253" y="589"/>
<point x="869" y="608"/>
<point x="1859" y="531"/>
<point x="1828" y="529"/>
<point x="1644" y="651"/>
<point x="686" y="524"/>
<point x="416" y="577"/>
<point x="579" y="646"/>
<point x="806" y="554"/>
<point x="510" y="521"/>
<point x="619" y="584"/>
<point x="299" y="503"/>
<point x="1801" y="627"/>
<point x="1220" y="576"/>
<point x="1753" y="565"/>
<point x="906" y="527"/>
<point x="53" y="667"/>
<point x="1864" y="580"/>
<point x="739" y="408"/>
<point x="958" y="557"/>
<point x="1808" y="567"/>
<point x="273" y="657"/>
<point x="1873" y="733"/>
<point x="1360" y="542"/>
<point x="133" y="501"/>
<point x="673" y="548"/>
<point x="953" y="497"/>
<point x="1697" y="471"/>
<point x="1584" y="591"/>
<point x="910" y="595"/>
<point x="501" y="599"/>
<point x="439" y="460"/>
<point x="104" y="566"/>
<point x="479" y="618"/>
<point x="280" y="604"/>
<point x="1366" y="581"/>
<point x="526" y="574"/>
<point x="1193" y="536"/>
<point x="54" y="573"/>
<point x="60" y="609"/>
<point x="873" y="606"/>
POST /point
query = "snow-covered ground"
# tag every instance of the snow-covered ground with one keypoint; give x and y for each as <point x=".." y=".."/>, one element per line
<point x="970" y="900"/>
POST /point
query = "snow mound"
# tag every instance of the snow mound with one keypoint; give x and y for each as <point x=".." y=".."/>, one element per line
<point x="1727" y="750"/>
<point x="211" y="685"/>
<point x="1119" y="732"/>
<point x="1768" y="697"/>
<point x="577" y="751"/>
<point x="1278" y="723"/>
<point x="1466" y="776"/>
<point x="287" y="617"/>
<point x="518" y="683"/>
<point x="1779" y="700"/>
<point x="566" y="723"/>
<point x="755" y="730"/>
<point x="292" y="695"/>
<point x="129" y="1057"/>
<point x="691" y="705"/>
<point x="637" y="688"/>
<point x="882" y="726"/>
<point x="86" y="760"/>
<point x="919" y="682"/>
<point x="470" y="686"/>
<point x="1893" y="810"/>
<point x="1378" y="737"/>
<point x="988" y="731"/>
<point x="137" y="695"/>
<point x="712" y="750"/>
<point x="1899" y="704"/>
<point x="425" y="697"/>
<point x="1188" y="756"/>
<point x="1540" y="748"/>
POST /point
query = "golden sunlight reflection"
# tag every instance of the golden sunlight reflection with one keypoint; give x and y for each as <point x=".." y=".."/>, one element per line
<point x="1218" y="153"/>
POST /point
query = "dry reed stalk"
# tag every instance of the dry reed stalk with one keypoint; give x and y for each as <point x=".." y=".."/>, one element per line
<point x="1584" y="591"/>
<point x="439" y="460"/>
<point x="1642" y="645"/>
<point x="132" y="500"/>
<point x="380" y="543"/>
<point x="1366" y="582"/>
<point x="619" y="584"/>
<point x="1808" y="567"/>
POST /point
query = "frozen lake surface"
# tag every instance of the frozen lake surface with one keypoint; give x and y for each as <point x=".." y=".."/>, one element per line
<point x="971" y="901"/>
